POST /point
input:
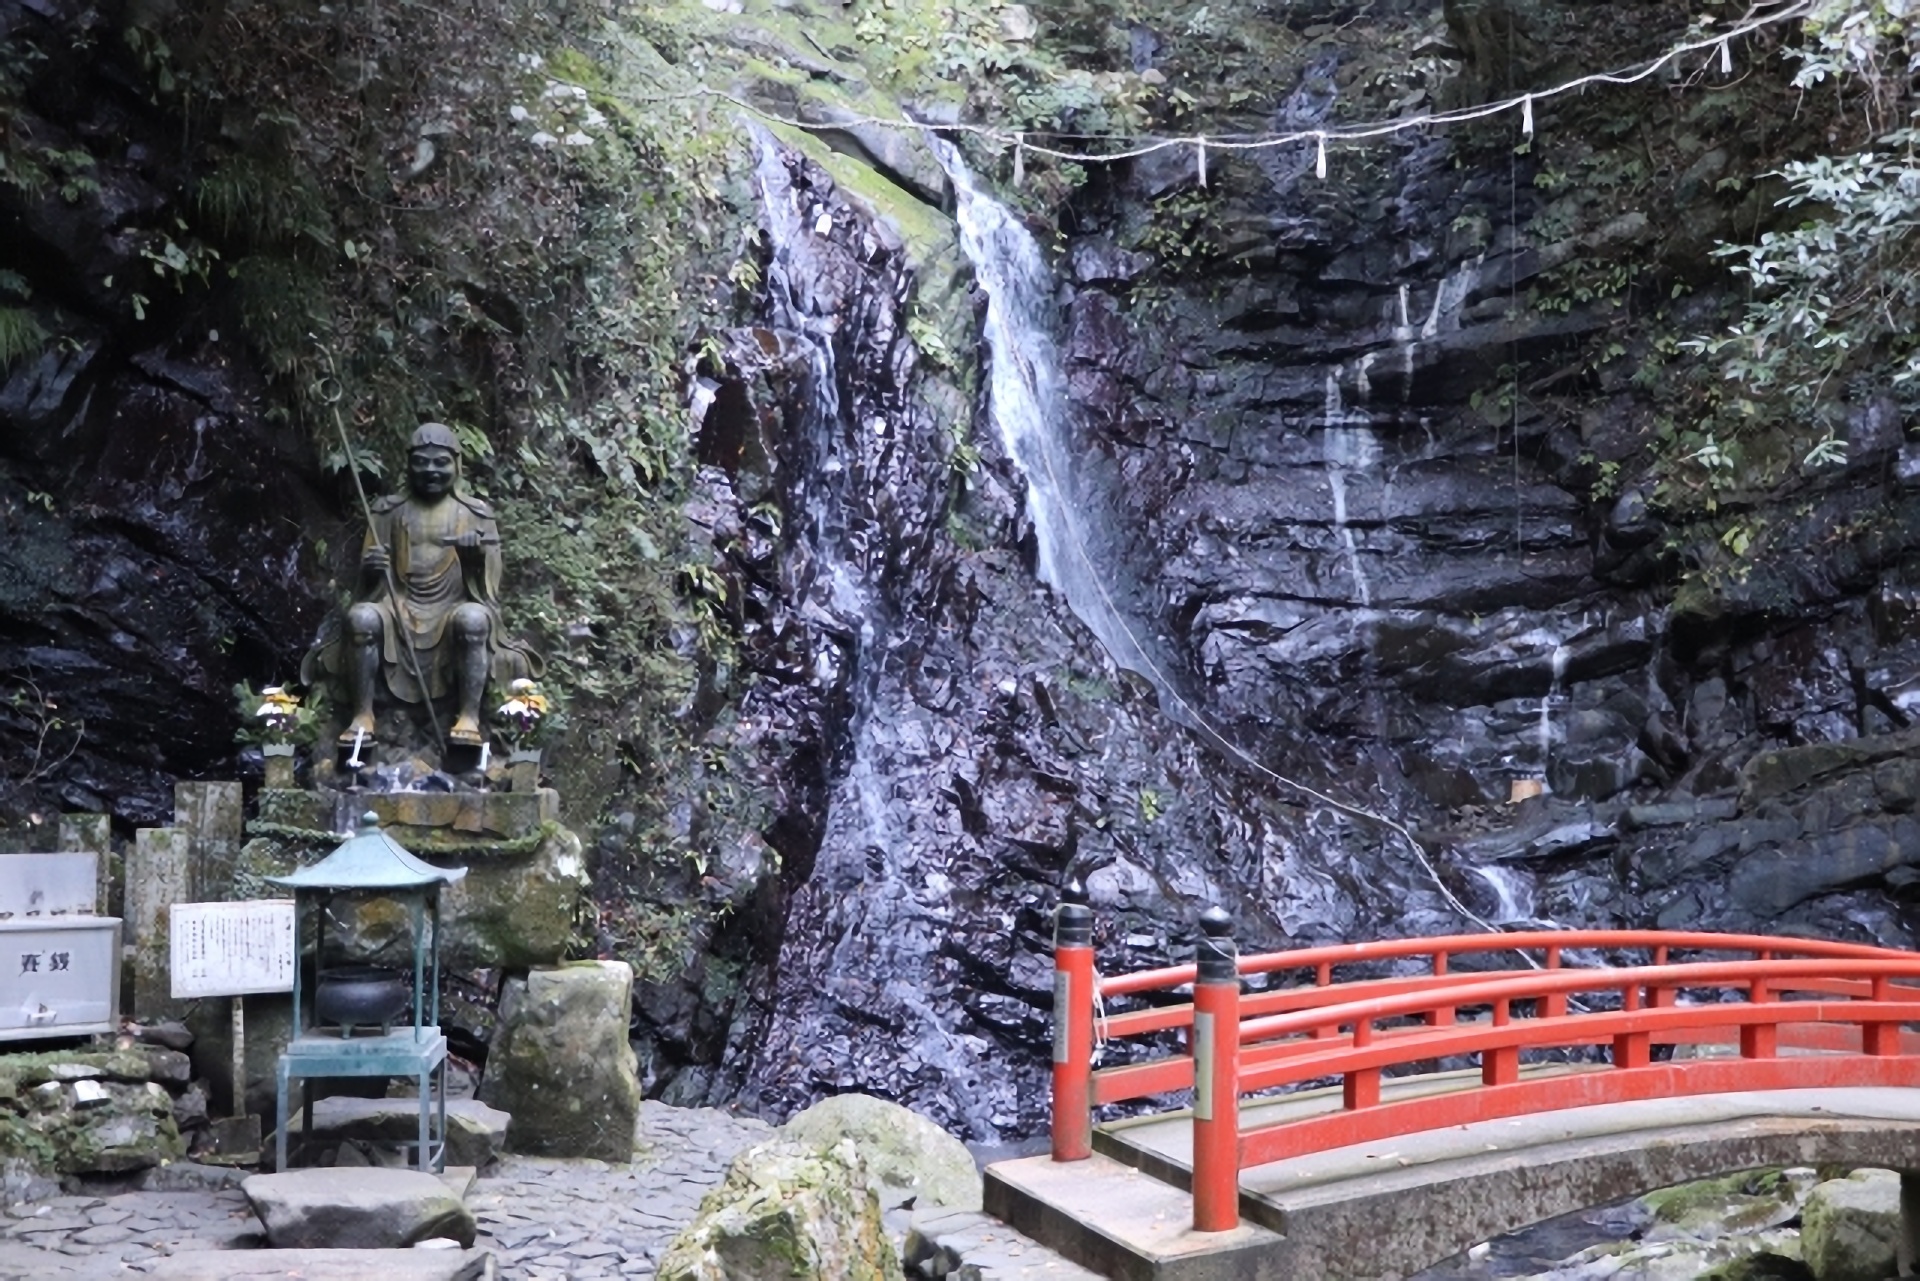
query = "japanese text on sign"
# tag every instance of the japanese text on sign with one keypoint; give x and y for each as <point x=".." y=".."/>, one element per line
<point x="232" y="949"/>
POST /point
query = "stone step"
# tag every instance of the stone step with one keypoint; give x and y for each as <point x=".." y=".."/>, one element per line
<point x="476" y="1133"/>
<point x="327" y="1265"/>
<point x="970" y="1246"/>
<point x="1127" y="1225"/>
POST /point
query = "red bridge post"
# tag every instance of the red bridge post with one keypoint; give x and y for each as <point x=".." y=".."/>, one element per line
<point x="1216" y="1077"/>
<point x="1073" y="1026"/>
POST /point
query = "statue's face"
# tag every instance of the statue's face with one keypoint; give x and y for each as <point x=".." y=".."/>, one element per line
<point x="431" y="470"/>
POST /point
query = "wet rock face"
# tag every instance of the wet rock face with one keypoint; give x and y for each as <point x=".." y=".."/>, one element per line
<point x="150" y="515"/>
<point x="1353" y="573"/>
<point x="947" y="746"/>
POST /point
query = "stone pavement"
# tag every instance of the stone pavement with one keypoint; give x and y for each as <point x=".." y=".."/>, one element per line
<point x="543" y="1219"/>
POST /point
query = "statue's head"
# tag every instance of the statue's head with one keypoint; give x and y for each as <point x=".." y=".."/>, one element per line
<point x="433" y="460"/>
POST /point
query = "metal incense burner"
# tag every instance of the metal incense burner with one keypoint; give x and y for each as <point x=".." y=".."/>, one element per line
<point x="365" y="1005"/>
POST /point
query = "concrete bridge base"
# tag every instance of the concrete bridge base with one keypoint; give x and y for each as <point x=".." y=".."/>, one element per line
<point x="1378" y="1212"/>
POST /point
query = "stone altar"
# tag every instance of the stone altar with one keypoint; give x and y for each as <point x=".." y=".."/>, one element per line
<point x="526" y="879"/>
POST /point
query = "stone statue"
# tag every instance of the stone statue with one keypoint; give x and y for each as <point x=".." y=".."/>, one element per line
<point x="425" y="622"/>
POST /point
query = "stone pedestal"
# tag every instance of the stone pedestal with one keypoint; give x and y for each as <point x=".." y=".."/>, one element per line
<point x="278" y="758"/>
<point x="190" y="862"/>
<point x="561" y="1065"/>
<point x="94" y="834"/>
<point x="211" y="815"/>
<point x="526" y="876"/>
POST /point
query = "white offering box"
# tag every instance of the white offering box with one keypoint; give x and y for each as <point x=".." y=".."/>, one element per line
<point x="59" y="976"/>
<point x="40" y="885"/>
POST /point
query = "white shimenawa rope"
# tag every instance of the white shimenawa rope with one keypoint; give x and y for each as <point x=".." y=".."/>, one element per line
<point x="1023" y="141"/>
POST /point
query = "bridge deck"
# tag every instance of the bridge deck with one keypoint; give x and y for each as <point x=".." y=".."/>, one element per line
<point x="1387" y="1209"/>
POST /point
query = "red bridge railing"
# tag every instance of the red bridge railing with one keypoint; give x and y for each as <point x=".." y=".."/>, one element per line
<point x="1802" y="1013"/>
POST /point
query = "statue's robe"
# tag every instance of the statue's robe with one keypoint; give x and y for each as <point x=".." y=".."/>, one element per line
<point x="434" y="580"/>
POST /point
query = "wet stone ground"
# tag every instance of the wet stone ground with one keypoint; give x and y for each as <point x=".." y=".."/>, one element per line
<point x="542" y="1219"/>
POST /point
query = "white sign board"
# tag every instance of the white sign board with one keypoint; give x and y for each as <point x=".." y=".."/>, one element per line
<point x="36" y="885"/>
<point x="232" y="949"/>
<point x="59" y="977"/>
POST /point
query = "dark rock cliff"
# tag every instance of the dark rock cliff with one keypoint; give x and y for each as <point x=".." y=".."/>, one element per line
<point x="1362" y="461"/>
<point x="155" y="516"/>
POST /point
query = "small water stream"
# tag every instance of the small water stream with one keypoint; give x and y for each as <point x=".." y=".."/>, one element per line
<point x="859" y="901"/>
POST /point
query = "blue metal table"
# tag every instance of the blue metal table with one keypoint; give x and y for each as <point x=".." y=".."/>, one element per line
<point x="420" y="1053"/>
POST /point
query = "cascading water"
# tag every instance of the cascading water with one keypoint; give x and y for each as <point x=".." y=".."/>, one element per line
<point x="1030" y="411"/>
<point x="1347" y="443"/>
<point x="1557" y="666"/>
<point x="1512" y="894"/>
<point x="1029" y="408"/>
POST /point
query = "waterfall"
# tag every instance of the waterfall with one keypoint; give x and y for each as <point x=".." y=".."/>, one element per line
<point x="1347" y="443"/>
<point x="1028" y="404"/>
<point x="1450" y="295"/>
<point x="1557" y="665"/>
<point x="1512" y="893"/>
<point x="841" y="589"/>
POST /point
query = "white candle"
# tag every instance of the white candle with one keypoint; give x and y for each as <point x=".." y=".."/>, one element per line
<point x="486" y="753"/>
<point x="353" y="761"/>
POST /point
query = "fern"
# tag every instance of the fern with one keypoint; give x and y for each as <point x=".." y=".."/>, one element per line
<point x="20" y="335"/>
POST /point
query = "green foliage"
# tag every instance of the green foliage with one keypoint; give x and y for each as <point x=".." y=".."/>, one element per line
<point x="21" y="334"/>
<point x="503" y="215"/>
<point x="1831" y="297"/>
<point x="1178" y="228"/>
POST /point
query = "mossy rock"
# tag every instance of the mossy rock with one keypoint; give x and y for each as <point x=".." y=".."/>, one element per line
<point x="1850" y="1228"/>
<point x="1761" y="1265"/>
<point x="787" y="1211"/>
<point x="1731" y="1202"/>
<point x="561" y="1065"/>
<point x="909" y="1157"/>
<point x="46" y="1129"/>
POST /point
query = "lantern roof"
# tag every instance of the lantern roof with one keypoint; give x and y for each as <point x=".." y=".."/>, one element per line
<point x="369" y="860"/>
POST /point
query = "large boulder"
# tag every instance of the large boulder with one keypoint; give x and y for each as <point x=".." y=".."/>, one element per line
<point x="1850" y="1228"/>
<point x="787" y="1212"/>
<point x="561" y="1064"/>
<point x="357" y="1208"/>
<point x="909" y="1159"/>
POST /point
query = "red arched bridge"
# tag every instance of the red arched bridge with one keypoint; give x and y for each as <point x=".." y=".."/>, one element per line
<point x="1545" y="1021"/>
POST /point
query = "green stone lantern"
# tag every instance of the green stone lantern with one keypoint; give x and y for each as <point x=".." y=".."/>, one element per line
<point x="353" y="999"/>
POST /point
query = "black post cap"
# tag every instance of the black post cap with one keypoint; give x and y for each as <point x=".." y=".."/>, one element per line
<point x="1215" y="957"/>
<point x="1073" y="922"/>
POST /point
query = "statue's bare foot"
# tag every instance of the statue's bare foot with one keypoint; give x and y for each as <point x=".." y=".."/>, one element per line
<point x="360" y="727"/>
<point x="466" y="731"/>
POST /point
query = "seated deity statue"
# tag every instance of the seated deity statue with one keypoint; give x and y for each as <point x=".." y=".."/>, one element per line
<point x="425" y="623"/>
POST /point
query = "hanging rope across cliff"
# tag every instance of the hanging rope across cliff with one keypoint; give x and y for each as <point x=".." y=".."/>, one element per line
<point x="1126" y="147"/>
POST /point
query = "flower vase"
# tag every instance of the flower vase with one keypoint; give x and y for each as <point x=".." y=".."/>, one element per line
<point x="279" y="759"/>
<point x="523" y="769"/>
